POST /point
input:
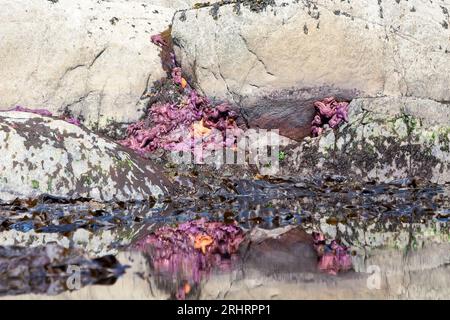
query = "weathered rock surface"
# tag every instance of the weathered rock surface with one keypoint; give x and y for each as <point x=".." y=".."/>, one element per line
<point x="274" y="63"/>
<point x="42" y="155"/>
<point x="86" y="57"/>
<point x="386" y="139"/>
<point x="179" y="4"/>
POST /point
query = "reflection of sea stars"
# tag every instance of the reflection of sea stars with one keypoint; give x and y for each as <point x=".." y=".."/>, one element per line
<point x="199" y="129"/>
<point x="187" y="288"/>
<point x="202" y="241"/>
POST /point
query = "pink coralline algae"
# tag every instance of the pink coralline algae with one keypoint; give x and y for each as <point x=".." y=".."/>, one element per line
<point x="331" y="112"/>
<point x="333" y="257"/>
<point x="188" y="253"/>
<point x="73" y="121"/>
<point x="183" y="120"/>
<point x="46" y="113"/>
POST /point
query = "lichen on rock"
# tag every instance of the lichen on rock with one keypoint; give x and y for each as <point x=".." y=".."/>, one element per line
<point x="42" y="155"/>
<point x="385" y="139"/>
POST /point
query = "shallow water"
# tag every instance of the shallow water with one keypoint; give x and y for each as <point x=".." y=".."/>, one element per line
<point x="397" y="234"/>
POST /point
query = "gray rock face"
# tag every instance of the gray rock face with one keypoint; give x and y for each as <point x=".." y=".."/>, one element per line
<point x="386" y="139"/>
<point x="274" y="63"/>
<point x="91" y="58"/>
<point x="178" y="4"/>
<point x="42" y="155"/>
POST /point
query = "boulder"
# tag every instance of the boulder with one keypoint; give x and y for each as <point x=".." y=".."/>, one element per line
<point x="43" y="155"/>
<point x="274" y="61"/>
<point x="386" y="139"/>
<point x="92" y="59"/>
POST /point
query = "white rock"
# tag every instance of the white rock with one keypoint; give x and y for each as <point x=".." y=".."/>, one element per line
<point x="93" y="58"/>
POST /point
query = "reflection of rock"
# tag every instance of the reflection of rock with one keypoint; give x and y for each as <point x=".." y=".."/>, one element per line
<point x="294" y="250"/>
<point x="41" y="155"/>
<point x="52" y="269"/>
<point x="386" y="233"/>
<point x="275" y="63"/>
<point x="382" y="272"/>
<point x="180" y="269"/>
<point x="421" y="273"/>
<point x="289" y="252"/>
<point x="95" y="244"/>
<point x="386" y="139"/>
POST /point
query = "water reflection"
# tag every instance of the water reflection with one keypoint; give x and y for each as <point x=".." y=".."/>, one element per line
<point x="275" y="270"/>
<point x="245" y="239"/>
<point x="52" y="269"/>
<point x="185" y="255"/>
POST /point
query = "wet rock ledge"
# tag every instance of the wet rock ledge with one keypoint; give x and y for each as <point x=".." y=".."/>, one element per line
<point x="43" y="155"/>
<point x="386" y="139"/>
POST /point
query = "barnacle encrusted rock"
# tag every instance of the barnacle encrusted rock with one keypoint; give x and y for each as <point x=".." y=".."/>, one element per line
<point x="276" y="62"/>
<point x="385" y="139"/>
<point x="42" y="155"/>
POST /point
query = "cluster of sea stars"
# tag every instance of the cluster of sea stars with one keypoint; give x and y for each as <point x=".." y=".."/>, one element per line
<point x="331" y="112"/>
<point x="186" y="121"/>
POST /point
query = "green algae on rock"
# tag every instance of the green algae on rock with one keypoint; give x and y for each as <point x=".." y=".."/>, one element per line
<point x="385" y="139"/>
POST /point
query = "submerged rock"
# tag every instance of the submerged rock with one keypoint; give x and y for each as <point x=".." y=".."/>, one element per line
<point x="42" y="155"/>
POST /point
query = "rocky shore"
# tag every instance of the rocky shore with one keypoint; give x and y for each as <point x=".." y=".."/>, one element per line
<point x="99" y="98"/>
<point x="269" y="60"/>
